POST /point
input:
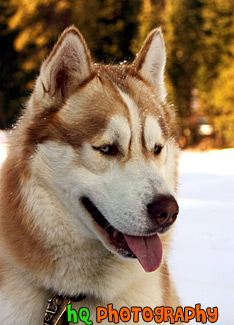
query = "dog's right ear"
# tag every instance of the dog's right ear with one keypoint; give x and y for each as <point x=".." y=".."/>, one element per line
<point x="67" y="66"/>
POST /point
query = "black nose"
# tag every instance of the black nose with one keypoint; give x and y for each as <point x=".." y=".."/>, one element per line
<point x="164" y="210"/>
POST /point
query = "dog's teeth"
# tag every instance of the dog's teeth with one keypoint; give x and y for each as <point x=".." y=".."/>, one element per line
<point x="115" y="234"/>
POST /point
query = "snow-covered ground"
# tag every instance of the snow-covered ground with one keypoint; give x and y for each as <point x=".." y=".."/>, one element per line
<point x="3" y="140"/>
<point x="202" y="260"/>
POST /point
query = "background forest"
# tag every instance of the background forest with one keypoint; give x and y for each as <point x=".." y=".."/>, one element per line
<point x="199" y="36"/>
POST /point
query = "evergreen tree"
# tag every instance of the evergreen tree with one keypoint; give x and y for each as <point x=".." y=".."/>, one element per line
<point x="216" y="73"/>
<point x="199" y="39"/>
<point x="32" y="27"/>
<point x="184" y="33"/>
<point x="150" y="16"/>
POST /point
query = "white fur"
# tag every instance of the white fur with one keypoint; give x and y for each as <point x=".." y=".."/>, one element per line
<point x="121" y="188"/>
<point x="152" y="133"/>
<point x="135" y="122"/>
<point x="169" y="155"/>
<point x="154" y="64"/>
<point x="29" y="308"/>
<point x="79" y="252"/>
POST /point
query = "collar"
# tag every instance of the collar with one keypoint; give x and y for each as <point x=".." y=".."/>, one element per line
<point x="56" y="309"/>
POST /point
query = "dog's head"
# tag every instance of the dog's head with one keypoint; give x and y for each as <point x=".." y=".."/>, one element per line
<point x="103" y="149"/>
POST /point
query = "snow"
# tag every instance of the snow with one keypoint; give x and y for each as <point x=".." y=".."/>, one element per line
<point x="202" y="261"/>
<point x="3" y="141"/>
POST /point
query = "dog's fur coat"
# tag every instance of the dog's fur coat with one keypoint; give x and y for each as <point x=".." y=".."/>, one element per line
<point x="49" y="243"/>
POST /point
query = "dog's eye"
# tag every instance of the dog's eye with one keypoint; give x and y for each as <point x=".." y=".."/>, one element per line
<point x="107" y="149"/>
<point x="157" y="149"/>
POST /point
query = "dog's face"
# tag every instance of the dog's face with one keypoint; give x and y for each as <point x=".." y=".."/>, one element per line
<point x="105" y="146"/>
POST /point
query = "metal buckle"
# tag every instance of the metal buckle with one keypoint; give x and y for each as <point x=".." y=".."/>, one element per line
<point x="55" y="309"/>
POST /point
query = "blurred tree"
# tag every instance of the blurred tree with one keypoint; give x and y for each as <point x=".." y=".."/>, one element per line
<point x="218" y="36"/>
<point x="222" y="103"/>
<point x="184" y="37"/>
<point x="11" y="77"/>
<point x="25" y="37"/>
<point x="33" y="27"/>
<point x="199" y="37"/>
<point x="150" y="16"/>
<point x="108" y="26"/>
<point x="216" y="73"/>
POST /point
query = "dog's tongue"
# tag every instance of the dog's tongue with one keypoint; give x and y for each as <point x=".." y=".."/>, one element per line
<point x="148" y="250"/>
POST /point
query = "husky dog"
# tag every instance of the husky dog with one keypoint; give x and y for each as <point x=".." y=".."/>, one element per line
<point x="88" y="187"/>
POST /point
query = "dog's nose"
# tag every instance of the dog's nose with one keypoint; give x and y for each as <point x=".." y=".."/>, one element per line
<point x="164" y="210"/>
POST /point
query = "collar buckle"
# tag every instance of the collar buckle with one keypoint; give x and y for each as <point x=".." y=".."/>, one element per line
<point x="56" y="309"/>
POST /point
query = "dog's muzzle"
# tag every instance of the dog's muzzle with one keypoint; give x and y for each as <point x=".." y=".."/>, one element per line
<point x="147" y="248"/>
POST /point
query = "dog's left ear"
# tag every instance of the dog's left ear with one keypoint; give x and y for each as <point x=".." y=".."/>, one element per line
<point x="67" y="66"/>
<point x="150" y="61"/>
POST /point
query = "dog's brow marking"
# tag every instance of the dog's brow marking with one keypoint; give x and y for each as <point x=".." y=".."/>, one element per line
<point x="135" y="122"/>
<point x="117" y="130"/>
<point x="152" y="132"/>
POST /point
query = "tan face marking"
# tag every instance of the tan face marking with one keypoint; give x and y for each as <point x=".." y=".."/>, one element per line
<point x="117" y="132"/>
<point x="152" y="133"/>
<point x="135" y="124"/>
<point x="148" y="127"/>
<point x="88" y="112"/>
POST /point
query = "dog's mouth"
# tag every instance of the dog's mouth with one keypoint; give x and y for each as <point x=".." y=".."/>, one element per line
<point x="147" y="249"/>
<point x="116" y="237"/>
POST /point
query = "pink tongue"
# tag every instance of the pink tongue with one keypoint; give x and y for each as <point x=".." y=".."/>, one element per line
<point x="148" y="250"/>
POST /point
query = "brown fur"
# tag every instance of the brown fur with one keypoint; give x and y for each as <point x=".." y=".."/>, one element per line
<point x="24" y="245"/>
<point x="16" y="229"/>
<point x="47" y="125"/>
<point x="60" y="41"/>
